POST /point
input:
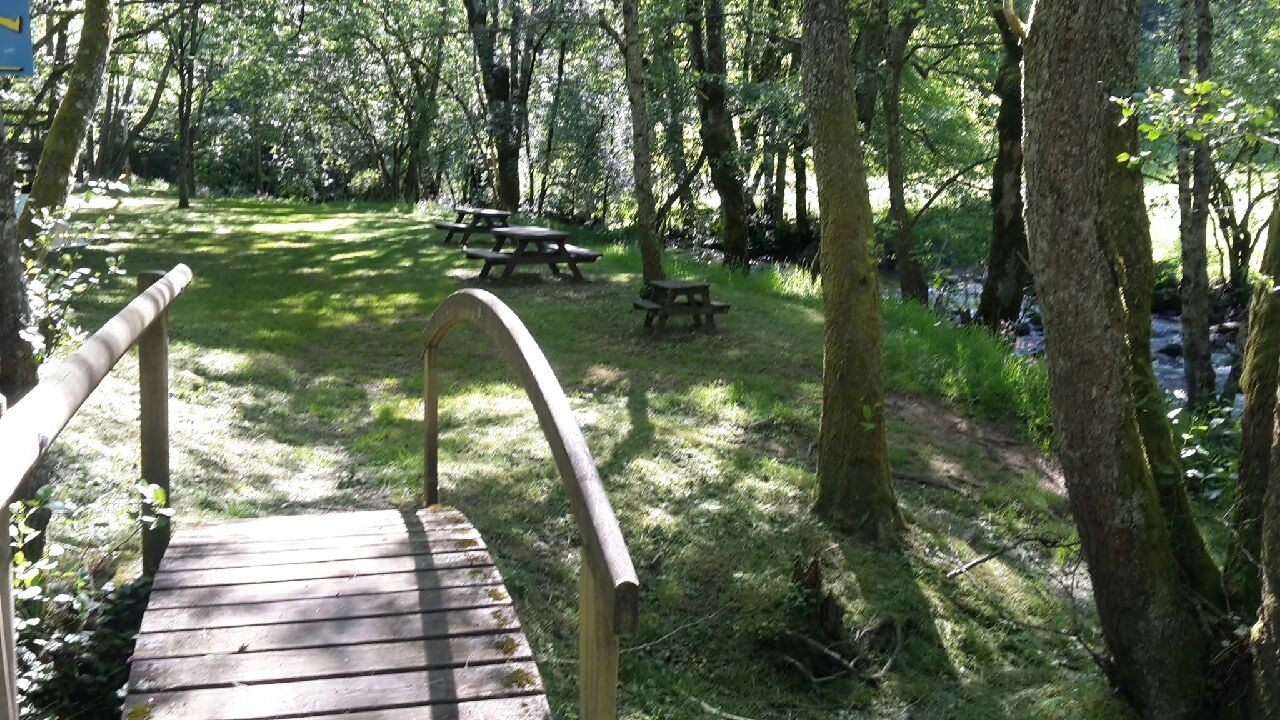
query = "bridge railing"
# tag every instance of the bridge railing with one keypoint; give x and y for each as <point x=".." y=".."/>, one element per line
<point x="31" y="425"/>
<point x="608" y="587"/>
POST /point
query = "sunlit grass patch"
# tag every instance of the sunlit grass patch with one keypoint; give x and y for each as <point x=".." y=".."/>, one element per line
<point x="298" y="387"/>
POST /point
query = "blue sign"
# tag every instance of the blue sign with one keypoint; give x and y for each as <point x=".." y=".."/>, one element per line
<point x="16" y="56"/>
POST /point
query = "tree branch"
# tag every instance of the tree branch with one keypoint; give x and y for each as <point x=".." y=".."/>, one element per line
<point x="1015" y="22"/>
<point x="681" y="187"/>
<point x="948" y="183"/>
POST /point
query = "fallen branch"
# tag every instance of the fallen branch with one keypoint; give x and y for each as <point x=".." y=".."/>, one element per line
<point x="827" y="652"/>
<point x="1048" y="543"/>
<point x="888" y="664"/>
<point x="804" y="671"/>
<point x="669" y="635"/>
<point x="930" y="480"/>
<point x="713" y="710"/>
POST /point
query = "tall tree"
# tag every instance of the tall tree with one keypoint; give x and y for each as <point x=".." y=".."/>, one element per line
<point x="1007" y="272"/>
<point x="185" y="38"/>
<point x="506" y="79"/>
<point x="646" y="229"/>
<point x="1078" y="55"/>
<point x="854" y="485"/>
<point x="17" y="359"/>
<point x="1266" y="633"/>
<point x="897" y="39"/>
<point x="1195" y="167"/>
<point x="705" y="19"/>
<point x="84" y="86"/>
<point x="1257" y="430"/>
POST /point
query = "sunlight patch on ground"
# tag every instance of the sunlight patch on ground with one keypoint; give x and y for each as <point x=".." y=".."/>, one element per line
<point x="326" y="225"/>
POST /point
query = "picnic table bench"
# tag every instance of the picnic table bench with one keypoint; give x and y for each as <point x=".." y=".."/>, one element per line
<point x="680" y="297"/>
<point x="482" y="220"/>
<point x="532" y="246"/>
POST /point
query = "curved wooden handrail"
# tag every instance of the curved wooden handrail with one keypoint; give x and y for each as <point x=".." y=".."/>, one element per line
<point x="601" y="536"/>
<point x="30" y="426"/>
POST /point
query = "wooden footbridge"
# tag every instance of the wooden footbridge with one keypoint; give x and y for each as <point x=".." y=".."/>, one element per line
<point x="379" y="615"/>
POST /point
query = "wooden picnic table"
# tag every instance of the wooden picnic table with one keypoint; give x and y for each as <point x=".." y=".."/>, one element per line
<point x="680" y="297"/>
<point x="482" y="220"/>
<point x="531" y="246"/>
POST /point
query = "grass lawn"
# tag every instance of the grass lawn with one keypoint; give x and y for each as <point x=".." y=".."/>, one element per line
<point x="297" y="388"/>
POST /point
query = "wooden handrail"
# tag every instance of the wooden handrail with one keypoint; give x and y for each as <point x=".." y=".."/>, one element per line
<point x="30" y="426"/>
<point x="609" y="589"/>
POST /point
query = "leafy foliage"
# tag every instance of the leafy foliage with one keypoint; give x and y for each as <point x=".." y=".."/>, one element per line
<point x="75" y="633"/>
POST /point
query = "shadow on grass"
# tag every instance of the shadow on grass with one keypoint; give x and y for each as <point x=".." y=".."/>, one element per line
<point x="305" y="324"/>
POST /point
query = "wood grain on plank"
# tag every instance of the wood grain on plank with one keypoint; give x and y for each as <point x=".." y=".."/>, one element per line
<point x="394" y="548"/>
<point x="320" y="633"/>
<point x="375" y="536"/>
<point x="314" y="663"/>
<point x="375" y="614"/>
<point x="323" y="587"/>
<point x="330" y="608"/>
<point x="336" y="695"/>
<point x="533" y="707"/>
<point x="165" y="580"/>
<point x="310" y="526"/>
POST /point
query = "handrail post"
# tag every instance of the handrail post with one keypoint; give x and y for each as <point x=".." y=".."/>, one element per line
<point x="153" y="388"/>
<point x="597" y="648"/>
<point x="8" y="638"/>
<point x="431" y="425"/>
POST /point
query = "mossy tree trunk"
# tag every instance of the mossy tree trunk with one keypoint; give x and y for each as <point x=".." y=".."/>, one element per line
<point x="646" y="228"/>
<point x="1265" y="638"/>
<point x="1194" y="178"/>
<point x="17" y="358"/>
<point x="800" y="168"/>
<point x="705" y="19"/>
<point x="84" y="87"/>
<point x="1126" y="236"/>
<point x="506" y="87"/>
<point x="911" y="275"/>
<point x="1261" y="365"/>
<point x="854" y="486"/>
<point x="1080" y="53"/>
<point x="1007" y="273"/>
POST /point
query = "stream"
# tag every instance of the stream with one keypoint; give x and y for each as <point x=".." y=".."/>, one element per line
<point x="960" y="296"/>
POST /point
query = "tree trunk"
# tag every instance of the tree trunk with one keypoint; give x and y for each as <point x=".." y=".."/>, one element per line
<point x="1266" y="633"/>
<point x="868" y="52"/>
<point x="1261" y="365"/>
<point x="84" y="86"/>
<point x="673" y="142"/>
<point x="553" y="120"/>
<point x="710" y="65"/>
<point x="778" y="196"/>
<point x="1198" y="363"/>
<point x="854" y="487"/>
<point x="799" y="168"/>
<point x="183" y="45"/>
<point x="500" y="97"/>
<point x="911" y="275"/>
<point x="1080" y="53"/>
<point x="1127" y="236"/>
<point x="1007" y="272"/>
<point x="122" y="159"/>
<point x="17" y="358"/>
<point x="641" y="143"/>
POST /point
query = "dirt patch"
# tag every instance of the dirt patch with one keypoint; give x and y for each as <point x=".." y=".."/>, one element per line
<point x="936" y="426"/>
